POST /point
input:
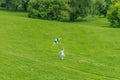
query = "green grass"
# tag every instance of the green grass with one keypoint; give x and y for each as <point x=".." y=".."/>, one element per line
<point x="92" y="49"/>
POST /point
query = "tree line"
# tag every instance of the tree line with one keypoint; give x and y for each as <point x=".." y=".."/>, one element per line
<point x="14" y="4"/>
<point x="65" y="10"/>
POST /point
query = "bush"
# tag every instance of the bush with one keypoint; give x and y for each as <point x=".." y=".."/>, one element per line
<point x="64" y="16"/>
<point x="49" y="9"/>
<point x="113" y="14"/>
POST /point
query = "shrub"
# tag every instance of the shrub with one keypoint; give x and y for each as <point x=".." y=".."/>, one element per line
<point x="49" y="9"/>
<point x="113" y="14"/>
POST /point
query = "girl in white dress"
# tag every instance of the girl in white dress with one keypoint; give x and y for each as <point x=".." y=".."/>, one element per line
<point x="62" y="55"/>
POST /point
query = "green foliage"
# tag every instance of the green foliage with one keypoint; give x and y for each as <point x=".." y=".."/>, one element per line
<point x="25" y="4"/>
<point x="64" y="16"/>
<point x="2" y="3"/>
<point x="62" y="10"/>
<point x="82" y="8"/>
<point x="101" y="8"/>
<point x="14" y="4"/>
<point x="114" y="14"/>
<point x="75" y="9"/>
<point x="49" y="9"/>
<point x="66" y="10"/>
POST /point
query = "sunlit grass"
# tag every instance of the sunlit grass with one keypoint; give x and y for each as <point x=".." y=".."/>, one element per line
<point x="26" y="53"/>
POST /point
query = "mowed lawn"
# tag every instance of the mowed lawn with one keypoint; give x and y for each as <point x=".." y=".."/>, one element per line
<point x="92" y="49"/>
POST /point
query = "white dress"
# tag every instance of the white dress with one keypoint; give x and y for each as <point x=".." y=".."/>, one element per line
<point x="62" y="53"/>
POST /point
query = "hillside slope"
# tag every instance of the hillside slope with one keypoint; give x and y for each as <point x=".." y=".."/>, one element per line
<point x="26" y="53"/>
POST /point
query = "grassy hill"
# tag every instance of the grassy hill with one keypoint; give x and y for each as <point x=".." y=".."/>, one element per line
<point x="92" y="49"/>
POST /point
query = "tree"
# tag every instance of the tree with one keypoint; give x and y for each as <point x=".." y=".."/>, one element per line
<point x="67" y="9"/>
<point x="2" y="3"/>
<point x="14" y="4"/>
<point x="83" y="8"/>
<point x="8" y="3"/>
<point x="49" y="9"/>
<point x="75" y="9"/>
<point x="100" y="7"/>
<point x="113" y="14"/>
<point x="25" y="4"/>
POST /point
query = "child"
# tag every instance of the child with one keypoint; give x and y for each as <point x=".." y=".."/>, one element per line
<point x="62" y="54"/>
<point x="56" y="41"/>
